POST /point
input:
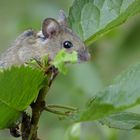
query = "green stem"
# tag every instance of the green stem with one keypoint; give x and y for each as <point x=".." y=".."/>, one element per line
<point x="69" y="109"/>
<point x="39" y="105"/>
<point x="54" y="111"/>
<point x="62" y="106"/>
<point x="37" y="109"/>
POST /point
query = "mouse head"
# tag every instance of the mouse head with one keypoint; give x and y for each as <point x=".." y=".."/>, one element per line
<point x="58" y="36"/>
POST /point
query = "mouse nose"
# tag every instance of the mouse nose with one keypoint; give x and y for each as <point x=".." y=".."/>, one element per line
<point x="83" y="55"/>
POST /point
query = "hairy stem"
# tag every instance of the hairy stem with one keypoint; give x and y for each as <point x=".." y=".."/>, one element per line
<point x="38" y="106"/>
<point x="54" y="111"/>
<point x="62" y="107"/>
<point x="67" y="110"/>
<point x="37" y="109"/>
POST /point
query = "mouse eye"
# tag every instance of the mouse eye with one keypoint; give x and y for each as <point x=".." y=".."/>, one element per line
<point x="67" y="44"/>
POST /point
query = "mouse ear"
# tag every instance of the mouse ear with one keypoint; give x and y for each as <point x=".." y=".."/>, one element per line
<point x="50" y="27"/>
<point x="62" y="18"/>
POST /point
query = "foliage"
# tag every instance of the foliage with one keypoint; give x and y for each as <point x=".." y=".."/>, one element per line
<point x="96" y="17"/>
<point x="108" y="104"/>
<point x="105" y="15"/>
<point x="115" y="98"/>
<point x="16" y="93"/>
<point x="62" y="58"/>
<point x="123" y="120"/>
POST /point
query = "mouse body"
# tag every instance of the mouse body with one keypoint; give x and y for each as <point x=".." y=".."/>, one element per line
<point x="54" y="36"/>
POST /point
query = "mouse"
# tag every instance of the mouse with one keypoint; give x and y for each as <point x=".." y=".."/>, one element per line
<point x="54" y="36"/>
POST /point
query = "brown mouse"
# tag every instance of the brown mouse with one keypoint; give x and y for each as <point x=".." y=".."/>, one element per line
<point x="54" y="36"/>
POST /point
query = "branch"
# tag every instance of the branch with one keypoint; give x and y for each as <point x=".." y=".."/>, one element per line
<point x="69" y="110"/>
<point x="38" y="106"/>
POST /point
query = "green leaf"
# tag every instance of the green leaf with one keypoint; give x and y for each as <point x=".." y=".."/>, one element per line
<point x="62" y="58"/>
<point x="123" y="120"/>
<point x="122" y="94"/>
<point x="91" y="19"/>
<point x="19" y="86"/>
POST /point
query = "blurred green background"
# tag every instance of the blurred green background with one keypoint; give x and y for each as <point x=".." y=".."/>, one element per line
<point x="110" y="55"/>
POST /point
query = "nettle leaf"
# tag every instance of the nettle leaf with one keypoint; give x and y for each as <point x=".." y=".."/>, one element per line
<point x="62" y="58"/>
<point x="19" y="86"/>
<point x="92" y="18"/>
<point x="122" y="94"/>
<point x="123" y="120"/>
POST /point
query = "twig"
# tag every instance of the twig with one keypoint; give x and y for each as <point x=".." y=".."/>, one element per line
<point x="54" y="111"/>
<point x="62" y="106"/>
<point x="69" y="109"/>
<point x="39" y="104"/>
<point x="36" y="113"/>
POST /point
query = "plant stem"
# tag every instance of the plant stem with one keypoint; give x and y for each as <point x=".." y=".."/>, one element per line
<point x="69" y="109"/>
<point x="54" y="111"/>
<point x="36" y="113"/>
<point x="62" y="107"/>
<point x="38" y="106"/>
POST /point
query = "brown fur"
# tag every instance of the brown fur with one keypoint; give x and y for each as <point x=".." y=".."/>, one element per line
<point x="32" y="45"/>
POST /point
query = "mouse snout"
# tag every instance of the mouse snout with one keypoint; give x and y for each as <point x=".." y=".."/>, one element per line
<point x="83" y="55"/>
